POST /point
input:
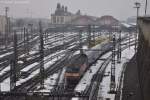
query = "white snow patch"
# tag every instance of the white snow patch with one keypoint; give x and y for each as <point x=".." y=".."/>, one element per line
<point x="127" y="54"/>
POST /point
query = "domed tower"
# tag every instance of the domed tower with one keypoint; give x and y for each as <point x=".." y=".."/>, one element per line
<point x="78" y="12"/>
<point x="63" y="9"/>
<point x="66" y="9"/>
<point x="58" y="6"/>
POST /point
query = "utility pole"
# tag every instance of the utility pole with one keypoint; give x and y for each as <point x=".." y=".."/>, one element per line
<point x="89" y="36"/>
<point x="31" y="30"/>
<point x="137" y="6"/>
<point x="27" y="42"/>
<point x="63" y="31"/>
<point x="6" y="27"/>
<point x="24" y="37"/>
<point x="129" y="34"/>
<point x="13" y="65"/>
<point x="80" y="41"/>
<point x="146" y="7"/>
<point x="0" y="88"/>
<point x="93" y="35"/>
<point x="42" y="71"/>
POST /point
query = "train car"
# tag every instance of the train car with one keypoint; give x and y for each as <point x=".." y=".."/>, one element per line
<point x="97" y="51"/>
<point x="75" y="70"/>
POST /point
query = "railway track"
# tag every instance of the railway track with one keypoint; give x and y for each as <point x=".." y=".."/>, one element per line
<point x="49" y="70"/>
<point x="61" y="87"/>
<point x="97" y="79"/>
<point x="31" y="83"/>
<point x="36" y="59"/>
<point x="28" y="85"/>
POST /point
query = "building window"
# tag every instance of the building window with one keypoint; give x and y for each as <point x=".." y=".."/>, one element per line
<point x="62" y="20"/>
<point x="57" y="20"/>
<point x="54" y="20"/>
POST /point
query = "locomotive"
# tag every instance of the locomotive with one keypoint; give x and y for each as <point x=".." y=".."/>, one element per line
<point x="79" y="63"/>
<point x="75" y="70"/>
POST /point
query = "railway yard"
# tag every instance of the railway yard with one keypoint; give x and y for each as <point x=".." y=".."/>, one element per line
<point x="74" y="50"/>
<point x="52" y="65"/>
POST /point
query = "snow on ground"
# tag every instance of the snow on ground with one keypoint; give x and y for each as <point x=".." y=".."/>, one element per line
<point x="127" y="54"/>
<point x="54" y="54"/>
<point x="29" y="77"/>
<point x="86" y="80"/>
<point x="6" y="54"/>
<point x="61" y="80"/>
<point x="49" y="63"/>
<point x="3" y="62"/>
<point x="2" y="46"/>
<point x="46" y="65"/>
<point x="127" y="41"/>
<point x="30" y="53"/>
<point x="30" y="66"/>
<point x="75" y="98"/>
<point x="49" y="83"/>
<point x="6" y="69"/>
<point x="5" y="86"/>
<point x="54" y="40"/>
<point x="76" y="52"/>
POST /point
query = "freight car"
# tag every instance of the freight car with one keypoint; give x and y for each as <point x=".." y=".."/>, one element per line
<point x="79" y="63"/>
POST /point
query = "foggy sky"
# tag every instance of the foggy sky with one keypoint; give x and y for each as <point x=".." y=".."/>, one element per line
<point x="120" y="9"/>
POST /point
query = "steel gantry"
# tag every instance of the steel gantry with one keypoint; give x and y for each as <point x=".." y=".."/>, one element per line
<point x="13" y="65"/>
<point x="42" y="73"/>
<point x="119" y="49"/>
<point x="80" y="41"/>
<point x="112" y="78"/>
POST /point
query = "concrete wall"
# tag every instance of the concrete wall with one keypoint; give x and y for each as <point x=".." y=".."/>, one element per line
<point x="143" y="56"/>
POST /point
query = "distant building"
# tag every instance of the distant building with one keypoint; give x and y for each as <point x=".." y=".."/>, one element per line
<point x="2" y="24"/>
<point x="107" y="21"/>
<point x="83" y="20"/>
<point x="131" y="20"/>
<point x="62" y="15"/>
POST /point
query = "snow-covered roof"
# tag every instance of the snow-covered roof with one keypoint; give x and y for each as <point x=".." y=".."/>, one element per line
<point x="126" y="25"/>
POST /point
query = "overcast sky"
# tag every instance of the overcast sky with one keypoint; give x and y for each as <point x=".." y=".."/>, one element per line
<point x="120" y="9"/>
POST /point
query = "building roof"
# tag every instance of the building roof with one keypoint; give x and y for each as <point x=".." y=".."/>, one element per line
<point x="111" y="19"/>
<point x="62" y="13"/>
<point x="82" y="20"/>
